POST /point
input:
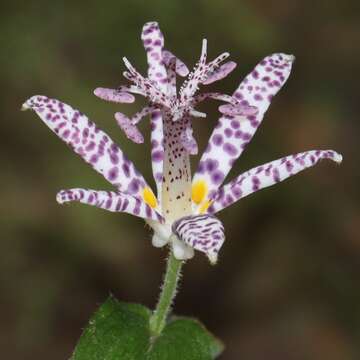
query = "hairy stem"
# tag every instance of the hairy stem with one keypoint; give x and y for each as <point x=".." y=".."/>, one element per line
<point x="168" y="292"/>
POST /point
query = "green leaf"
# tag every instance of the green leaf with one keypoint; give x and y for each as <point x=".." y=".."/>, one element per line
<point x="185" y="339"/>
<point x="120" y="331"/>
<point x="116" y="331"/>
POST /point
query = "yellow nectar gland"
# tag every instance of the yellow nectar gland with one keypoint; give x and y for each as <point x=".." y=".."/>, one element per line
<point x="205" y="206"/>
<point x="149" y="197"/>
<point x="199" y="191"/>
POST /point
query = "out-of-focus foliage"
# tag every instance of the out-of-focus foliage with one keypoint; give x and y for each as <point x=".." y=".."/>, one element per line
<point x="286" y="286"/>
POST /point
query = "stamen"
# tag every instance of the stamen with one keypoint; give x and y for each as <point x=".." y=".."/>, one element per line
<point x="220" y="73"/>
<point x="200" y="74"/>
<point x="131" y="89"/>
<point x="238" y="109"/>
<point x="114" y="95"/>
<point x="213" y="95"/>
<point x="141" y="114"/>
<point x="130" y="129"/>
<point x="145" y="85"/>
<point x="203" y="52"/>
<point x="196" y="113"/>
<point x="181" y="68"/>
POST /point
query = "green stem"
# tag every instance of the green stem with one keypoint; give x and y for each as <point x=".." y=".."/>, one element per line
<point x="168" y="292"/>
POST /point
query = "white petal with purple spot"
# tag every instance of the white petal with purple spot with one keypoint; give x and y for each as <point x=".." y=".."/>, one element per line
<point x="233" y="133"/>
<point x="111" y="201"/>
<point x="267" y="175"/>
<point x="88" y="141"/>
<point x="153" y="41"/>
<point x="202" y="232"/>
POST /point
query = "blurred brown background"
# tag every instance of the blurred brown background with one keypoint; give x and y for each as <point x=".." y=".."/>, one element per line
<point x="287" y="284"/>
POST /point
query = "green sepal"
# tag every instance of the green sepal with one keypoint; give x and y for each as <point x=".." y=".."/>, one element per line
<point x="120" y="331"/>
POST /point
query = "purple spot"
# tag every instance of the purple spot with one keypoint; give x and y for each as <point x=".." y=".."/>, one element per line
<point x="155" y="116"/>
<point x="228" y="132"/>
<point x="66" y="134"/>
<point x="230" y="149"/>
<point x="229" y="199"/>
<point x="126" y="169"/>
<point x="118" y="205"/>
<point x="289" y="166"/>
<point x="211" y="165"/>
<point x="235" y="124"/>
<point x="114" y="158"/>
<point x="113" y="173"/>
<point x="217" y="139"/>
<point x="94" y="158"/>
<point x="90" y="146"/>
<point x="237" y="192"/>
<point x="276" y="175"/>
<point x="256" y="183"/>
<point x="157" y="156"/>
<point x="246" y="136"/>
<point x="148" y="211"/>
<point x="108" y="203"/>
<point x="125" y="205"/>
<point x="238" y="134"/>
<point x="114" y="148"/>
<point x="239" y="96"/>
<point x="217" y="177"/>
<point x="133" y="186"/>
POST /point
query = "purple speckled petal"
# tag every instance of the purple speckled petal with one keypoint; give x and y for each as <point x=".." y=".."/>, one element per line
<point x="267" y="175"/>
<point x="233" y="133"/>
<point x="88" y="141"/>
<point x="220" y="73"/>
<point x="202" y="232"/>
<point x="111" y="201"/>
<point x="157" y="148"/>
<point x="180" y="67"/>
<point x="153" y="41"/>
<point x="213" y="95"/>
<point x="130" y="130"/>
<point x="114" y="95"/>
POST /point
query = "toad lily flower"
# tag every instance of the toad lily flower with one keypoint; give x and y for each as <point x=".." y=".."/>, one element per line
<point x="182" y="213"/>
